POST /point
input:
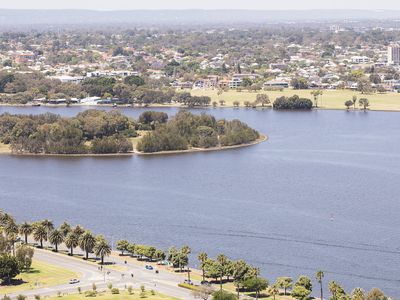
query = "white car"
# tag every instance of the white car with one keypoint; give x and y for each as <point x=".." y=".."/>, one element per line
<point x="73" y="281"/>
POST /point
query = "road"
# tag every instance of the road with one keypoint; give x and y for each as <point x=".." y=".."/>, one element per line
<point x="164" y="282"/>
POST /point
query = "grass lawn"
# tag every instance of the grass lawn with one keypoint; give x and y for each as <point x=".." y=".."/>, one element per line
<point x="122" y="296"/>
<point x="331" y="99"/>
<point x="41" y="275"/>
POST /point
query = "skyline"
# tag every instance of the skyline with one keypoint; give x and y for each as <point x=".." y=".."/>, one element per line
<point x="205" y="4"/>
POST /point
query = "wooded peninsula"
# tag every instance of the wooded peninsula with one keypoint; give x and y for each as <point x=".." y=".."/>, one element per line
<point x="95" y="132"/>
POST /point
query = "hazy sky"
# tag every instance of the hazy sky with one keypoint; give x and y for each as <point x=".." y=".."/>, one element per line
<point x="205" y="4"/>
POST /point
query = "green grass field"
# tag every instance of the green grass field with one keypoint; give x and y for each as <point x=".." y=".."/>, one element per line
<point x="331" y="99"/>
<point x="122" y="296"/>
<point x="41" y="275"/>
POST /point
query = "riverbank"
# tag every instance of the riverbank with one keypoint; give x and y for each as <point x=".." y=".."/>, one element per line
<point x="6" y="150"/>
<point x="331" y="99"/>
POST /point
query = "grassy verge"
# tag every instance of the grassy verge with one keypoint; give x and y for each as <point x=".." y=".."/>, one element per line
<point x="331" y="99"/>
<point x="41" y="275"/>
<point x="122" y="296"/>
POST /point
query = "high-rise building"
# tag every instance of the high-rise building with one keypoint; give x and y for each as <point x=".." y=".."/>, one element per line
<point x="394" y="54"/>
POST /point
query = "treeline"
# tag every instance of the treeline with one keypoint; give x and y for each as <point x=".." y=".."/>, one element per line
<point x="25" y="87"/>
<point x="187" y="130"/>
<point x="92" y="131"/>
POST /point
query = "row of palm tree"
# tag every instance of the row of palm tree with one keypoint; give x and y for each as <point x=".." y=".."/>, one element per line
<point x="45" y="231"/>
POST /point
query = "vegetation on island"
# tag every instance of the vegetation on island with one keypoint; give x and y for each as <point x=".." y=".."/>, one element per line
<point x="101" y="132"/>
<point x="187" y="130"/>
<point x="16" y="257"/>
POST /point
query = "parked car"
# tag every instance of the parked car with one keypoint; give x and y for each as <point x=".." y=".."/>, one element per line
<point x="73" y="281"/>
<point x="148" y="267"/>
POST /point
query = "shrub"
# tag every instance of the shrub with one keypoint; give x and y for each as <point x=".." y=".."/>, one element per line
<point x="109" y="285"/>
<point x="90" y="294"/>
<point x="142" y="295"/>
<point x="37" y="297"/>
<point x="130" y="290"/>
<point x="142" y="288"/>
<point x="114" y="291"/>
<point x="21" y="297"/>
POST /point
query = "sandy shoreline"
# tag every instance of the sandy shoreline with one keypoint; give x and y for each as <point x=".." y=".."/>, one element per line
<point x="262" y="138"/>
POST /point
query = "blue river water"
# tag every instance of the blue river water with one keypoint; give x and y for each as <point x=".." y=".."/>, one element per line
<point x="321" y="193"/>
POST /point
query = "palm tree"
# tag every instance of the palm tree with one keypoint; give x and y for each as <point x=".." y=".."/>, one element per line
<point x="56" y="237"/>
<point x="203" y="258"/>
<point x="87" y="242"/>
<point x="11" y="230"/>
<point x="333" y="288"/>
<point x="222" y="260"/>
<point x="319" y="276"/>
<point x="65" y="228"/>
<point x="71" y="241"/>
<point x="185" y="252"/>
<point x="25" y="229"/>
<point x="102" y="248"/>
<point x="273" y="291"/>
<point x="78" y="230"/>
<point x="48" y="225"/>
<point x="40" y="234"/>
<point x="358" y="294"/>
<point x="354" y="101"/>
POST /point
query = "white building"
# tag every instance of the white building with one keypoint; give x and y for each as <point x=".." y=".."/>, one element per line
<point x="360" y="60"/>
<point x="394" y="55"/>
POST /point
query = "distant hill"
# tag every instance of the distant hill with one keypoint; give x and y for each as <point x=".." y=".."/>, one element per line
<point x="16" y="18"/>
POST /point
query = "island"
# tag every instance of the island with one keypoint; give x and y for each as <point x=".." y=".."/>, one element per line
<point x="98" y="132"/>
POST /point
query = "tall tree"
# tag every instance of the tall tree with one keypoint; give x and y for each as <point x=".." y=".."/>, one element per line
<point x="102" y="248"/>
<point x="56" y="237"/>
<point x="25" y="229"/>
<point x="72" y="241"/>
<point x="40" y="234"/>
<point x="65" y="228"/>
<point x="87" y="241"/>
<point x="320" y="276"/>
<point x="202" y="257"/>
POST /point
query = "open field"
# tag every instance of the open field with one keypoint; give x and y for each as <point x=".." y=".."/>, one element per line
<point x="41" y="275"/>
<point x="331" y="99"/>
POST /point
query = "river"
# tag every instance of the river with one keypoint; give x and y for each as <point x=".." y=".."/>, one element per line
<point x="321" y="193"/>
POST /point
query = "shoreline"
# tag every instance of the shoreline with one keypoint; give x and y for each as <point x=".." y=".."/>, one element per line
<point x="262" y="138"/>
<point x="184" y="107"/>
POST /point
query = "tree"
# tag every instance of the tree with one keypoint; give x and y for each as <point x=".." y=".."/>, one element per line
<point x="122" y="245"/>
<point x="56" y="238"/>
<point x="11" y="230"/>
<point x="358" y="294"/>
<point x="300" y="292"/>
<point x="273" y="291"/>
<point x="65" y="228"/>
<point x="305" y="282"/>
<point x="40" y="234"/>
<point x="72" y="241"/>
<point x="354" y="99"/>
<point x="222" y="295"/>
<point x="24" y="255"/>
<point x="376" y="294"/>
<point x="348" y="103"/>
<point x="263" y="99"/>
<point x="316" y="95"/>
<point x="202" y="257"/>
<point x="236" y="103"/>
<point x="102" y="248"/>
<point x="336" y="290"/>
<point x="222" y="261"/>
<point x="284" y="283"/>
<point x="185" y="251"/>
<point x="87" y="242"/>
<point x="25" y="229"/>
<point x="78" y="230"/>
<point x="364" y="102"/>
<point x="299" y="83"/>
<point x="240" y="269"/>
<point x="364" y="85"/>
<point x="48" y="225"/>
<point x="131" y="248"/>
<point x="203" y="292"/>
<point x="255" y="284"/>
<point x="9" y="267"/>
<point x="320" y="276"/>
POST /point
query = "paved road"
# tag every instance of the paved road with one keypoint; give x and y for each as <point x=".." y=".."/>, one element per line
<point x="164" y="282"/>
